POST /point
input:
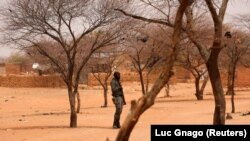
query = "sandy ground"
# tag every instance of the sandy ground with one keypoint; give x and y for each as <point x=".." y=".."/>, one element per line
<point x="42" y="114"/>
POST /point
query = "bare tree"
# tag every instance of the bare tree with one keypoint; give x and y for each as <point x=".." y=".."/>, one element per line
<point x="68" y="24"/>
<point x="245" y="61"/>
<point x="190" y="59"/>
<point x="236" y="47"/>
<point x="18" y="58"/>
<point x="145" y="52"/>
<point x="147" y="100"/>
<point x="103" y="63"/>
<point x="243" y="23"/>
<point x="217" y="10"/>
<point x="139" y="63"/>
<point x="44" y="65"/>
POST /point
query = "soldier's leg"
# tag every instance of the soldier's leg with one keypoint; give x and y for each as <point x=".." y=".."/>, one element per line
<point x="115" y="118"/>
<point x="119" y="106"/>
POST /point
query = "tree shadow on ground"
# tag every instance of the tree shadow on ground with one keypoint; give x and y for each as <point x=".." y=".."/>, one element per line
<point x="55" y="127"/>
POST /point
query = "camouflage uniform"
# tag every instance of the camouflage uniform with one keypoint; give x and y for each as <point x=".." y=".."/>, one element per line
<point x="118" y="98"/>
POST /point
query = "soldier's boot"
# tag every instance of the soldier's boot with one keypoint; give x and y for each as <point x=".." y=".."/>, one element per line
<point x="115" y="124"/>
<point x="118" y="125"/>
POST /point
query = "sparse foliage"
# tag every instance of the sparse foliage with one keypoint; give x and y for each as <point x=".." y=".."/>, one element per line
<point x="103" y="63"/>
<point x="147" y="100"/>
<point x="67" y="24"/>
<point x="190" y="59"/>
<point x="236" y="47"/>
<point x="18" y="58"/>
<point x="217" y="11"/>
<point x="146" y="52"/>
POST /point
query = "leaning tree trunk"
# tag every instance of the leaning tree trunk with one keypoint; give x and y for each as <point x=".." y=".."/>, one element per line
<point x="73" y="114"/>
<point x="213" y="71"/>
<point x="147" y="100"/>
<point x="203" y="86"/>
<point x="200" y="90"/>
<point x="139" y="107"/>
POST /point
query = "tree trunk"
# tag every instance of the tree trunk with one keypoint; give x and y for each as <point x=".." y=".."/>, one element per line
<point x="78" y="102"/>
<point x="230" y="80"/>
<point x="142" y="82"/>
<point x="167" y="90"/>
<point x="203" y="86"/>
<point x="138" y="108"/>
<point x="200" y="90"/>
<point x="198" y="93"/>
<point x="233" y="82"/>
<point x="73" y="114"/>
<point x="213" y="71"/>
<point x="105" y="94"/>
<point x="145" y="102"/>
<point x="232" y="102"/>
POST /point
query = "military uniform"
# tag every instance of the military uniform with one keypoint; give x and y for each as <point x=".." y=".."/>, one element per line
<point x="118" y="98"/>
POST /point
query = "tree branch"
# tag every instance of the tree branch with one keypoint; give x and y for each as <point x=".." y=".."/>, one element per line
<point x="145" y="19"/>
<point x="223" y="9"/>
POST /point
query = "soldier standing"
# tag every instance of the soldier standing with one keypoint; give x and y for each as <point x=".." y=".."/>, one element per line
<point x="118" y="98"/>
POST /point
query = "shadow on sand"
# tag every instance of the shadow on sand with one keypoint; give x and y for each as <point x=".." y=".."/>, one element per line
<point x="54" y="127"/>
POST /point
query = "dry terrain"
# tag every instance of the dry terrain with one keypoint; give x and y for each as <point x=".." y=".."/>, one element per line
<point x="42" y="114"/>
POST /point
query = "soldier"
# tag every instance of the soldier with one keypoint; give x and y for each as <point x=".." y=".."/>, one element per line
<point x="118" y="98"/>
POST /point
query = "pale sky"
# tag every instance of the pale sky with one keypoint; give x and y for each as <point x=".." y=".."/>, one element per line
<point x="237" y="7"/>
<point x="234" y="7"/>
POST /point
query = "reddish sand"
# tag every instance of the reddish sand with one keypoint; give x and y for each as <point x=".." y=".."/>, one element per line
<point x="42" y="114"/>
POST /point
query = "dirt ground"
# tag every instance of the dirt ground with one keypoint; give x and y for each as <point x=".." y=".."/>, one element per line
<point x="42" y="114"/>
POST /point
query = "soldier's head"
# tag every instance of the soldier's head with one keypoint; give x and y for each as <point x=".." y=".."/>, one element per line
<point x="117" y="75"/>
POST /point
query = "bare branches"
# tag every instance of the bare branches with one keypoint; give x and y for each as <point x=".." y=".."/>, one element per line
<point x="212" y="9"/>
<point x="243" y="21"/>
<point x="145" y="19"/>
<point x="65" y="24"/>
<point x="192" y="34"/>
<point x="149" y="3"/>
<point x="217" y="17"/>
<point x="223" y="9"/>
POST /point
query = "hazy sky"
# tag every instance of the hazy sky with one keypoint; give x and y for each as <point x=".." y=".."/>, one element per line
<point x="234" y="7"/>
<point x="237" y="7"/>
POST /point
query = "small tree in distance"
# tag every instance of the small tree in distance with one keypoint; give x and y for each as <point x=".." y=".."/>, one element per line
<point x="190" y="59"/>
<point x="146" y="49"/>
<point x="18" y="58"/>
<point x="242" y="22"/>
<point x="236" y="47"/>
